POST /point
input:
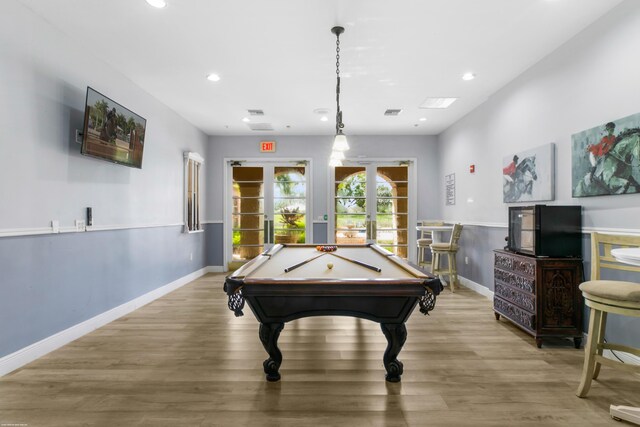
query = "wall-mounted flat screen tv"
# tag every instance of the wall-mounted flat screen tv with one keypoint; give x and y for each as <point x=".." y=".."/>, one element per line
<point x="112" y="132"/>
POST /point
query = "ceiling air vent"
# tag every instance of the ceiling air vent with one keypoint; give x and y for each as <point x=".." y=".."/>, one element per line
<point x="256" y="112"/>
<point x="260" y="126"/>
<point x="392" y="112"/>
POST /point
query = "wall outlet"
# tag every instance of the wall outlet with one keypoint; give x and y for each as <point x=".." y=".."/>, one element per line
<point x="55" y="226"/>
<point x="79" y="136"/>
<point x="81" y="225"/>
<point x="466" y="260"/>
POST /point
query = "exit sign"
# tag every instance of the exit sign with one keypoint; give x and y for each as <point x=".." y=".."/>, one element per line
<point x="267" y="146"/>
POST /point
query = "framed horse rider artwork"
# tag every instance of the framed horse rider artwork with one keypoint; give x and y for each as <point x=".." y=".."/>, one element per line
<point x="528" y="176"/>
<point x="605" y="160"/>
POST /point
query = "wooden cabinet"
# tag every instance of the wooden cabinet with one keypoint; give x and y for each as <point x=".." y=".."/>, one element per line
<point x="539" y="294"/>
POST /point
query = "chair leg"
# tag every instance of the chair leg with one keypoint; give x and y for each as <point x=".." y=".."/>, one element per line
<point x="450" y="266"/>
<point x="589" y="353"/>
<point x="602" y="326"/>
<point x="454" y="269"/>
<point x="435" y="262"/>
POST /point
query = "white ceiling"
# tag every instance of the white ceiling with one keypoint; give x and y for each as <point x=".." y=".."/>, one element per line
<point x="279" y="55"/>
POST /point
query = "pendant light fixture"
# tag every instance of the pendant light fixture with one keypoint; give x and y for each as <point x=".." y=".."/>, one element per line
<point x="340" y="143"/>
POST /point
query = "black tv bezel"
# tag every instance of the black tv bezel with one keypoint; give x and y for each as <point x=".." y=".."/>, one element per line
<point x="85" y="133"/>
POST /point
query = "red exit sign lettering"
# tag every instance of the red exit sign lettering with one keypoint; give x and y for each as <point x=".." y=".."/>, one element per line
<point x="267" y="146"/>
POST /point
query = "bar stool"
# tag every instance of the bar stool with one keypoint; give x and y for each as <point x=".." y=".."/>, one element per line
<point x="426" y="238"/>
<point x="604" y="297"/>
<point x="450" y="250"/>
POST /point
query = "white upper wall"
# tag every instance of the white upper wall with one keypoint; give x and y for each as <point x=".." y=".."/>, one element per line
<point x="591" y="80"/>
<point x="43" y="80"/>
<point x="318" y="148"/>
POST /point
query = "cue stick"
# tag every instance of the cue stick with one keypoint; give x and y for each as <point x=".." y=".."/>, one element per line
<point x="300" y="264"/>
<point x="370" y="267"/>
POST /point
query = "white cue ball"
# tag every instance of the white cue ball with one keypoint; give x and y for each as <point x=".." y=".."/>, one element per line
<point x="329" y="265"/>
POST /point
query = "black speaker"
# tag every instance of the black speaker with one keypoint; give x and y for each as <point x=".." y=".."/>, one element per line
<point x="89" y="217"/>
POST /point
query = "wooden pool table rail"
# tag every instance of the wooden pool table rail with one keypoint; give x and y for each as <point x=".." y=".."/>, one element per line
<point x="388" y="301"/>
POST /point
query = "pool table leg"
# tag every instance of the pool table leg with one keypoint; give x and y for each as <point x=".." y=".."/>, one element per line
<point x="396" y="334"/>
<point x="269" y="333"/>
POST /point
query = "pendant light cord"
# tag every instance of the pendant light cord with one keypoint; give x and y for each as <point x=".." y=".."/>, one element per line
<point x="339" y="124"/>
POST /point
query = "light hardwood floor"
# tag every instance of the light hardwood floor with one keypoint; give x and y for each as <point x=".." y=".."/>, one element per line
<point x="186" y="360"/>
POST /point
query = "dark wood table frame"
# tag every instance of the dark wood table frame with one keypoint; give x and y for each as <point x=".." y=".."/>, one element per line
<point x="274" y="302"/>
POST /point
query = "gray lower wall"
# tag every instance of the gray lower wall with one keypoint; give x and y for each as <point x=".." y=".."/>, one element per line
<point x="214" y="241"/>
<point x="478" y="243"/>
<point x="586" y="82"/>
<point x="52" y="282"/>
<point x="320" y="232"/>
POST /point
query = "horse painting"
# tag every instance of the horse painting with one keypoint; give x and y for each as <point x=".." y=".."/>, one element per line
<point x="514" y="189"/>
<point x="614" y="172"/>
<point x="108" y="132"/>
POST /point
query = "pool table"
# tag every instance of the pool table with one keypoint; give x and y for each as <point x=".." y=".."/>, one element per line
<point x="343" y="281"/>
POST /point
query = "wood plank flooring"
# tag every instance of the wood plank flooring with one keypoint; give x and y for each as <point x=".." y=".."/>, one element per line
<point x="185" y="360"/>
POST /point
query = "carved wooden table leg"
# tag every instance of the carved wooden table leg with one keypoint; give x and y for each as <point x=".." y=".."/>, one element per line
<point x="269" y="333"/>
<point x="396" y="335"/>
<point x="577" y="341"/>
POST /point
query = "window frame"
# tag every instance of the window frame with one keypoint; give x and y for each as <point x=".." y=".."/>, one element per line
<point x="192" y="188"/>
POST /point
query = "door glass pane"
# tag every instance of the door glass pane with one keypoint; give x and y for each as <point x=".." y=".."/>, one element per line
<point x="392" y="221"/>
<point x="350" y="204"/>
<point x="248" y="212"/>
<point x="258" y="205"/>
<point x="350" y="229"/>
<point x="392" y="208"/>
<point x="401" y="251"/>
<point x="289" y="202"/>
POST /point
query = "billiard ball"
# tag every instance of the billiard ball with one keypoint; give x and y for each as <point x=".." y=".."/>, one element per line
<point x="330" y="265"/>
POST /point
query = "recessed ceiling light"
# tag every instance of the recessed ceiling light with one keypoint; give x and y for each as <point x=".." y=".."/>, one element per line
<point x="468" y="76"/>
<point x="246" y="120"/>
<point x="438" y="102"/>
<point x="157" y="3"/>
<point x="324" y="119"/>
<point x="423" y="119"/>
<point x="213" y="77"/>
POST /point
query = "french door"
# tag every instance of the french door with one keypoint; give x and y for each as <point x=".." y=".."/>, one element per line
<point x="268" y="205"/>
<point x="372" y="204"/>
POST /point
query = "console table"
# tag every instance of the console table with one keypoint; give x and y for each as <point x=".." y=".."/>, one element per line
<point x="540" y="295"/>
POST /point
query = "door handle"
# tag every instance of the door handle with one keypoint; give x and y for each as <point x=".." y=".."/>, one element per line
<point x="272" y="232"/>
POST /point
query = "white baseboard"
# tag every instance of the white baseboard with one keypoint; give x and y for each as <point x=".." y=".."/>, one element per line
<point x="215" y="269"/>
<point x="482" y="290"/>
<point x="34" y="351"/>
